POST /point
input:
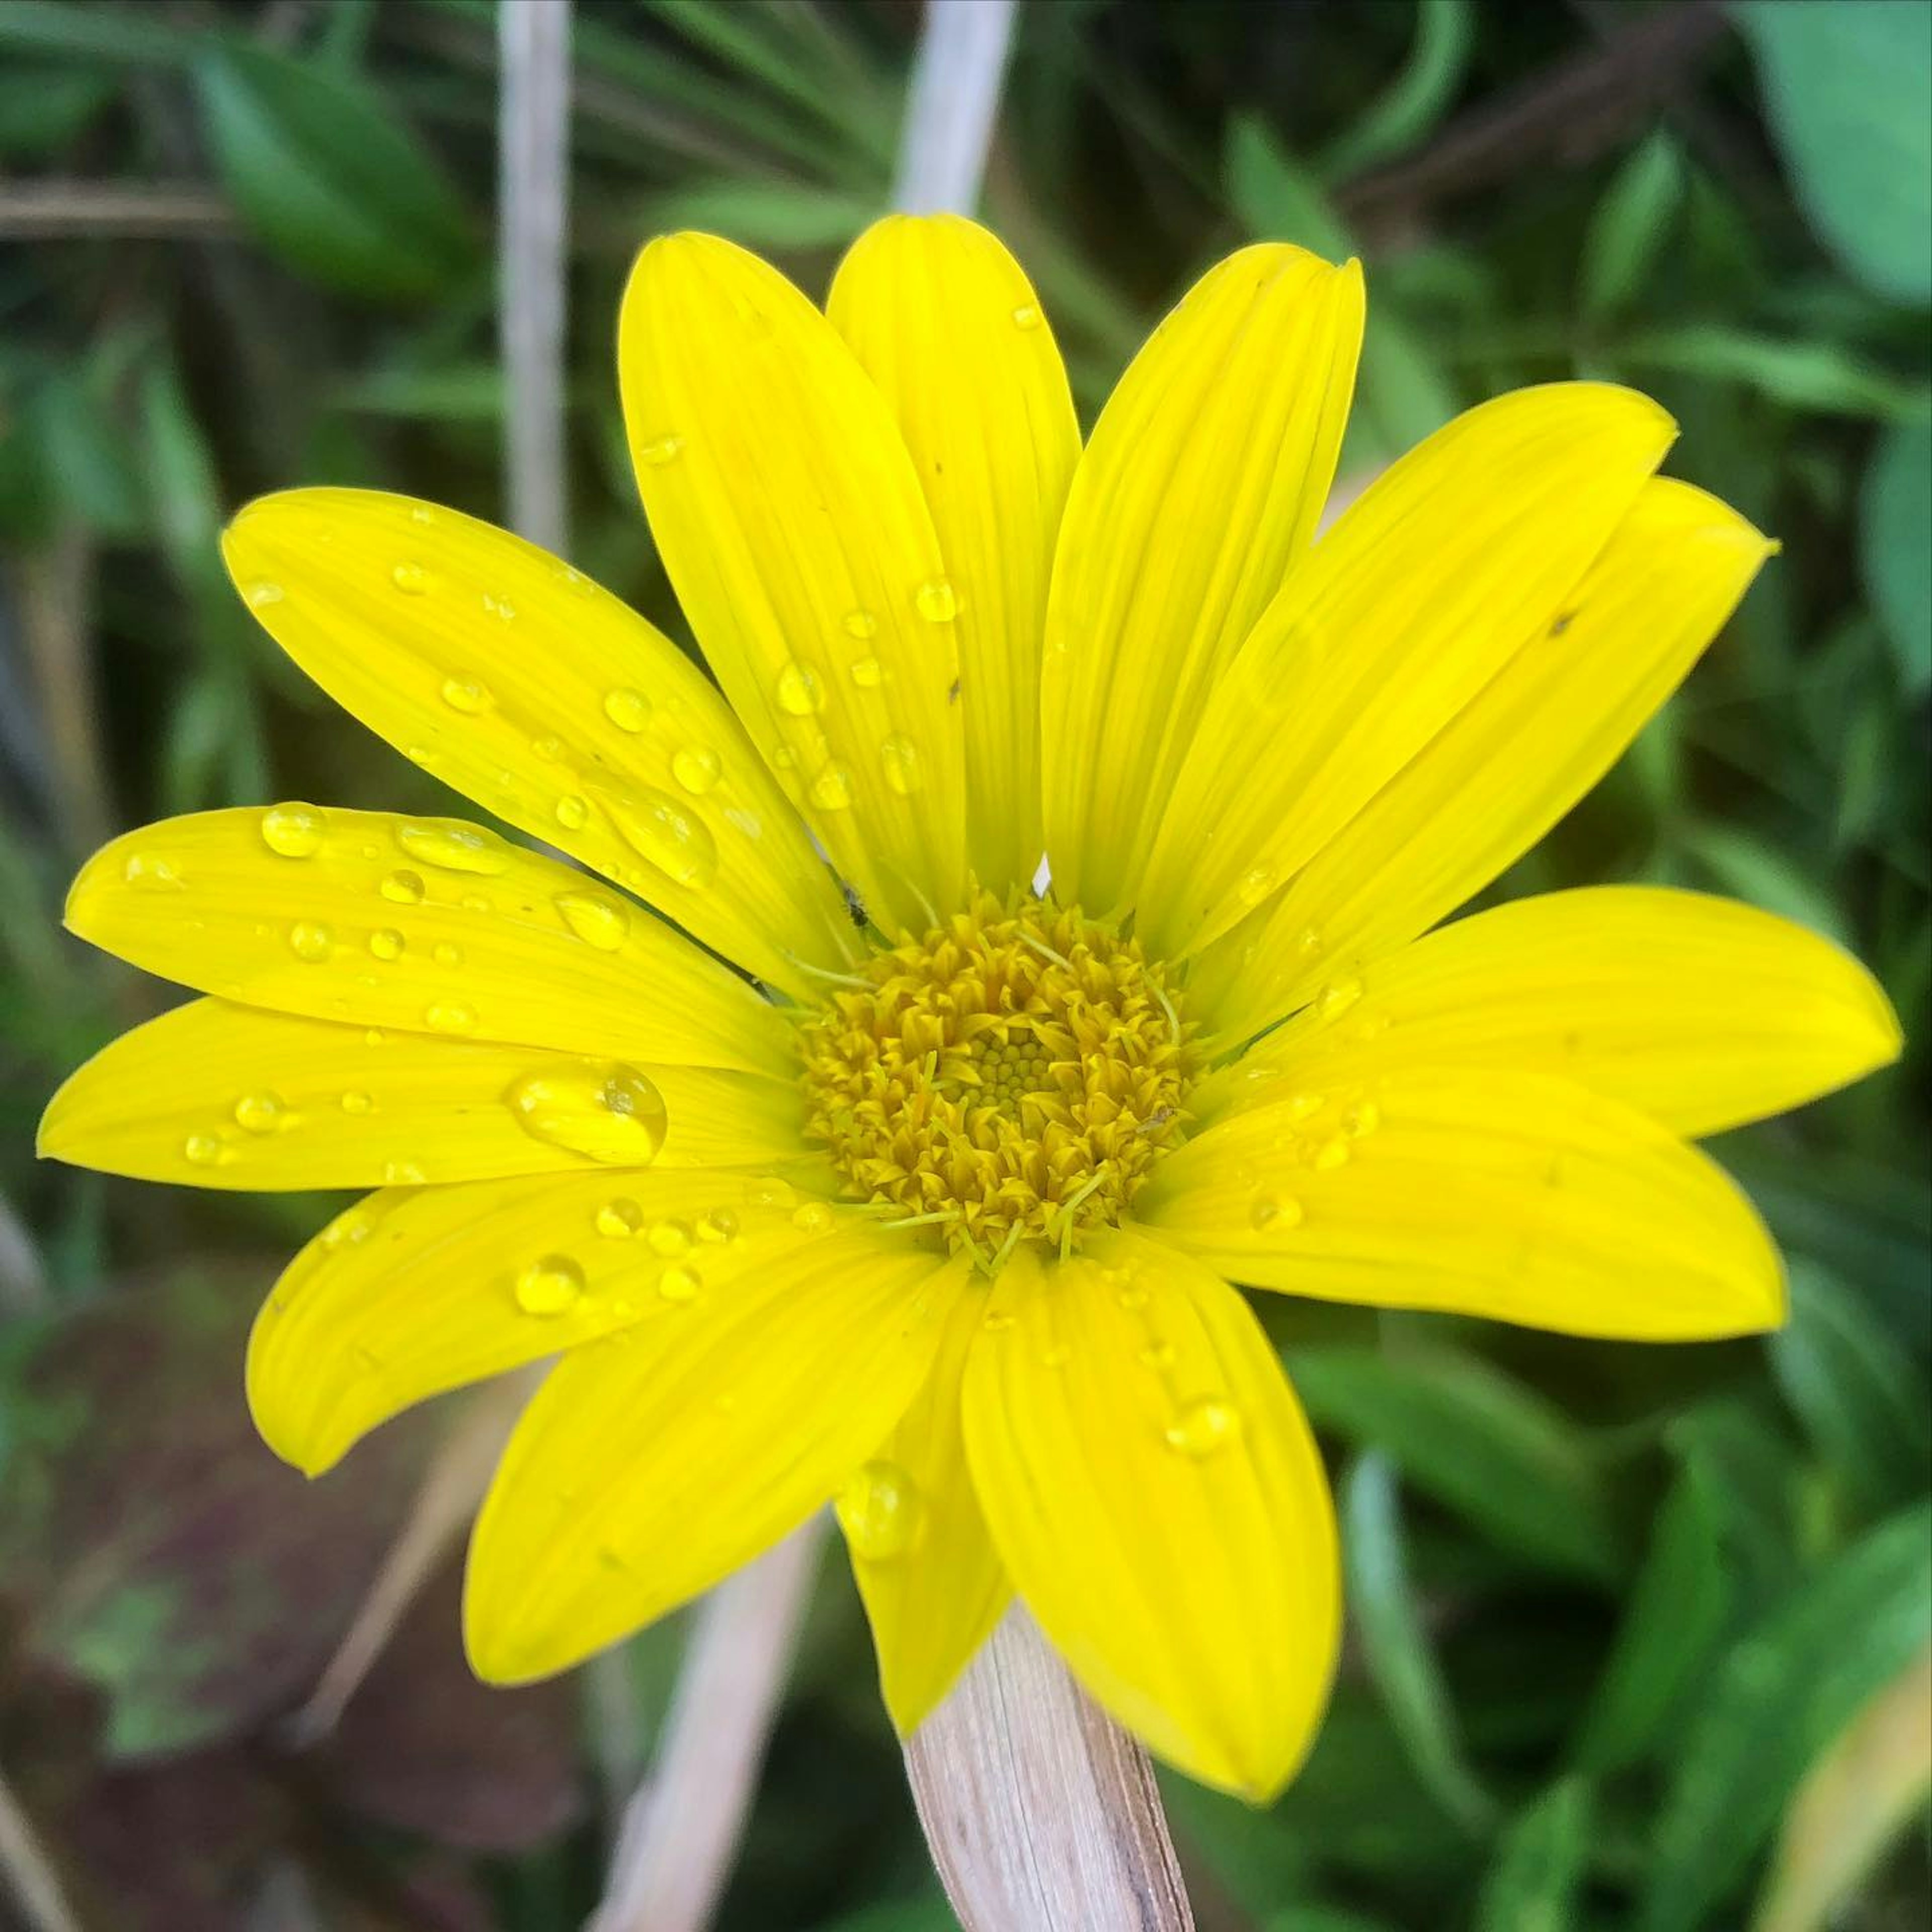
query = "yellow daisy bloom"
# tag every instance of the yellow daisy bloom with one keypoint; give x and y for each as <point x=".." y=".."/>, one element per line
<point x="867" y="1171"/>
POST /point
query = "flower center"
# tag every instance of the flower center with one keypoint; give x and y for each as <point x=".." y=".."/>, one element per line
<point x="1015" y="1074"/>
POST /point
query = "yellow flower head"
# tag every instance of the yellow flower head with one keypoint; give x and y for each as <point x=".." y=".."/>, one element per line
<point x="835" y="1148"/>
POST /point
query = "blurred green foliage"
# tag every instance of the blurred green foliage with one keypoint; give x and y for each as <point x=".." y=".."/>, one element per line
<point x="1626" y="1621"/>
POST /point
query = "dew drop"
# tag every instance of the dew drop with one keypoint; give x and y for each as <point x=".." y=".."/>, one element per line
<point x="501" y="608"/>
<point x="403" y="1174"/>
<point x="1132" y="1298"/>
<point x="260" y="1113"/>
<point x="1337" y="997"/>
<point x="447" y="955"/>
<point x="386" y="943"/>
<point x="573" y="813"/>
<point x="1362" y="1119"/>
<point x="469" y="695"/>
<point x="549" y="748"/>
<point x="861" y="624"/>
<point x="1300" y="1106"/>
<point x="879" y="1509"/>
<point x="1156" y="1355"/>
<point x="997" y="1321"/>
<point x="403" y="888"/>
<point x="800" y="691"/>
<point x="660" y="829"/>
<point x="629" y="710"/>
<point x="453" y="845"/>
<point x="149" y="872"/>
<point x="261" y="593"/>
<point x="900" y="757"/>
<point x="411" y="579"/>
<point x="618" y="1220"/>
<point x="597" y="920"/>
<point x="696" y="767"/>
<point x="553" y="1285"/>
<point x="670" y="1238"/>
<point x="356" y="1101"/>
<point x="720" y="1225"/>
<point x="660" y="450"/>
<point x="1330" y="1155"/>
<point x="309" y="940"/>
<point x="204" y="1150"/>
<point x="769" y="1191"/>
<point x="868" y="673"/>
<point x="1027" y="315"/>
<point x="1204" y="1426"/>
<point x="1057" y="1355"/>
<point x="295" y="831"/>
<point x="936" y="601"/>
<point x="602" y="1109"/>
<point x="1274" y="1213"/>
<point x="1308" y="941"/>
<point x="448" y="1016"/>
<point x="813" y="1217"/>
<point x="832" y="789"/>
<point x="680" y="1284"/>
<point x="1255" y="885"/>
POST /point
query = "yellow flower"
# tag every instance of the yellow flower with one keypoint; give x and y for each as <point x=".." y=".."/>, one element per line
<point x="902" y="1185"/>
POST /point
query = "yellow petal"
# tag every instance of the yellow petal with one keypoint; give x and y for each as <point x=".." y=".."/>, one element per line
<point x="431" y="924"/>
<point x="1703" y="1013"/>
<point x="213" y="1095"/>
<point x="926" y="1567"/>
<point x="1456" y="560"/>
<point x="1477" y="1192"/>
<point x="1505" y="769"/>
<point x="416" y="1291"/>
<point x="1200" y="489"/>
<point x="1153" y="1490"/>
<point x="946" y="324"/>
<point x="786" y="509"/>
<point x="517" y="680"/>
<point x="652" y="1465"/>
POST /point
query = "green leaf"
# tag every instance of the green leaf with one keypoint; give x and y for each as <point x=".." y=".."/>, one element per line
<point x="1815" y="376"/>
<point x="1860" y="1397"/>
<point x="1895" y="514"/>
<point x="45" y="108"/>
<point x="328" y="177"/>
<point x="778" y="215"/>
<point x="1741" y="864"/>
<point x="1846" y="85"/>
<point x="1396" y="1649"/>
<point x="1676" y="1611"/>
<point x="1775" y="1702"/>
<point x="1478" y="1442"/>
<point x="1419" y="96"/>
<point x="119" y="33"/>
<point x="1540" y="1865"/>
<point x="1631" y="225"/>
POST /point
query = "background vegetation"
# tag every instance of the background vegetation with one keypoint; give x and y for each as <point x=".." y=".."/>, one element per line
<point x="1639" y="1637"/>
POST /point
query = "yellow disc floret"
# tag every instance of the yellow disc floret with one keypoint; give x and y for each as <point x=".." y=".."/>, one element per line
<point x="1014" y="1074"/>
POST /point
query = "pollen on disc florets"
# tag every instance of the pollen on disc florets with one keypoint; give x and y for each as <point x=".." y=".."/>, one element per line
<point x="1015" y="1074"/>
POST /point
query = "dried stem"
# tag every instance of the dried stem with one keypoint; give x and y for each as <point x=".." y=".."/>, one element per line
<point x="950" y="109"/>
<point x="56" y="619"/>
<point x="1041" y="1812"/>
<point x="681" y="1831"/>
<point x="30" y="1880"/>
<point x="119" y="211"/>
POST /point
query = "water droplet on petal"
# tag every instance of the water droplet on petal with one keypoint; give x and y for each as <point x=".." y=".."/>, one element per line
<point x="602" y="1109"/>
<point x="501" y="608"/>
<point x="596" y="919"/>
<point x="680" y="1283"/>
<point x="449" y="1016"/>
<point x="769" y="1191"/>
<point x="660" y="450"/>
<point x="551" y="1286"/>
<point x="900" y="757"/>
<point x="295" y="831"/>
<point x="411" y="579"/>
<point x="309" y="940"/>
<point x="660" y="829"/>
<point x="1255" y="885"/>
<point x="403" y="1174"/>
<point x="403" y="888"/>
<point x="1027" y="315"/>
<point x="356" y="1101"/>
<point x="832" y="789"/>
<point x="1300" y="1106"/>
<point x="880" y="1510"/>
<point x="1337" y="997"/>
<point x="452" y="845"/>
<point x="629" y="710"/>
<point x="861" y="624"/>
<point x="1055" y="1355"/>
<point x="1156" y="1355"/>
<point x="618" y="1220"/>
<point x="467" y="694"/>
<point x="149" y="872"/>
<point x="447" y="955"/>
<point x="720" y="1225"/>
<point x="386" y="943"/>
<point x="573" y="813"/>
<point x="1274" y="1213"/>
<point x="670" y="1238"/>
<point x="696" y="767"/>
<point x="1131" y="1297"/>
<point x="1362" y="1119"/>
<point x="937" y="601"/>
<point x="1204" y="1426"/>
<point x="259" y="1113"/>
<point x="1308" y="941"/>
<point x="1330" y="1155"/>
<point x="204" y="1150"/>
<point x="261" y="593"/>
<point x="813" y="1217"/>
<point x="868" y="673"/>
<point x="800" y="691"/>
